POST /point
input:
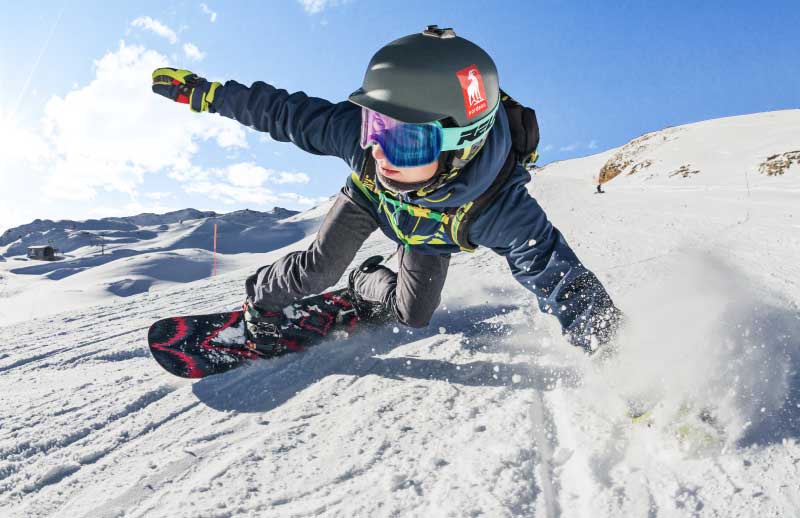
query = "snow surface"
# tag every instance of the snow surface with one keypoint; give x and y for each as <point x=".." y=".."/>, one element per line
<point x="487" y="412"/>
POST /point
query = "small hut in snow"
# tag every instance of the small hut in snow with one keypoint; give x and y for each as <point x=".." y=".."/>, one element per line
<point x="43" y="253"/>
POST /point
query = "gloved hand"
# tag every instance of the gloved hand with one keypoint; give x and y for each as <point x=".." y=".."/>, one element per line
<point x="607" y="326"/>
<point x="599" y="337"/>
<point x="184" y="87"/>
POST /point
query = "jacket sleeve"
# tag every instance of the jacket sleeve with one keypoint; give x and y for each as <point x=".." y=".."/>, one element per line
<point x="312" y="124"/>
<point x="516" y="227"/>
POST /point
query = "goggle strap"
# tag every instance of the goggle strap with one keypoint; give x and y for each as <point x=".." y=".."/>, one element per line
<point x="459" y="138"/>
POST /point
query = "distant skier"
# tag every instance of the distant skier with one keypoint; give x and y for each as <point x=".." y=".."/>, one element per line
<point x="431" y="143"/>
<point x="600" y="189"/>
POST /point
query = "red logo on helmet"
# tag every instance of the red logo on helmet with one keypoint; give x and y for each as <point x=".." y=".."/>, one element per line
<point x="472" y="88"/>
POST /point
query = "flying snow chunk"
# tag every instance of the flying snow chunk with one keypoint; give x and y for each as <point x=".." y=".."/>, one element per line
<point x="231" y="335"/>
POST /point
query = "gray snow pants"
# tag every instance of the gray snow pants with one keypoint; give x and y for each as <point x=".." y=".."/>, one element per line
<point x="413" y="293"/>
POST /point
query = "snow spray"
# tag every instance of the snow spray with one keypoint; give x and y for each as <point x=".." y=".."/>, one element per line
<point x="707" y="333"/>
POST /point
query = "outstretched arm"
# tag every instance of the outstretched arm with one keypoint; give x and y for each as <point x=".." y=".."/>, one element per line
<point x="516" y="227"/>
<point x="313" y="124"/>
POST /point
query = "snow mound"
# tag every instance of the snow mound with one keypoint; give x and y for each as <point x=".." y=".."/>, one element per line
<point x="763" y="146"/>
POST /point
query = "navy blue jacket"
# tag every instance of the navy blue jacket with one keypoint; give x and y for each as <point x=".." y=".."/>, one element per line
<point x="514" y="226"/>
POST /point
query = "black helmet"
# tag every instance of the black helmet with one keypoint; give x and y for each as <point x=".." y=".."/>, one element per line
<point x="430" y="76"/>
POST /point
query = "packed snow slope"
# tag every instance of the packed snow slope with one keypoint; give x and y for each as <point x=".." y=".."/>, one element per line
<point x="488" y="412"/>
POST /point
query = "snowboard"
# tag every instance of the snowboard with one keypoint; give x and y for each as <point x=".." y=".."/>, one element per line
<point x="197" y="346"/>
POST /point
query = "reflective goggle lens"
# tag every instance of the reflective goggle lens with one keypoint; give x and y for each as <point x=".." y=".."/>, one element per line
<point x="404" y="144"/>
<point x="411" y="145"/>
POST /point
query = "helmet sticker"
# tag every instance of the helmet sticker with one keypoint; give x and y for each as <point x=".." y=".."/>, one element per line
<point x="472" y="88"/>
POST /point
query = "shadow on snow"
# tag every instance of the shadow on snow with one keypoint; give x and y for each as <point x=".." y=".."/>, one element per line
<point x="266" y="385"/>
<point x="770" y="347"/>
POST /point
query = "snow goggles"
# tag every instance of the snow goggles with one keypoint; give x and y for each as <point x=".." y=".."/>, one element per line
<point x="410" y="145"/>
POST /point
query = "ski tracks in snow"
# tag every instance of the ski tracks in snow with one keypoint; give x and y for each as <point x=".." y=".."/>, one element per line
<point x="544" y="439"/>
<point x="79" y="395"/>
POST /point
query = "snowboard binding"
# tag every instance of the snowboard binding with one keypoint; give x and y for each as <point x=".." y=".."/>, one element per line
<point x="262" y="328"/>
<point x="374" y="311"/>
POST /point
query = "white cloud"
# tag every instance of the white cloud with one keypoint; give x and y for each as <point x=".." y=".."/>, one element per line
<point x="212" y="15"/>
<point x="231" y="194"/>
<point x="20" y="145"/>
<point x="248" y="174"/>
<point x="303" y="200"/>
<point x="111" y="135"/>
<point x="571" y="147"/>
<point x="189" y="174"/>
<point x="102" y="143"/>
<point x="158" y="196"/>
<point x="317" y="6"/>
<point x="245" y="175"/>
<point x="147" y="23"/>
<point x="76" y="178"/>
<point x="192" y="52"/>
<point x="24" y="156"/>
<point x="284" y="177"/>
<point x="240" y="183"/>
<point x="592" y="144"/>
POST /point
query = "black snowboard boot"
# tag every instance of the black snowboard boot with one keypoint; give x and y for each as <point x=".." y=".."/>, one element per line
<point x="262" y="328"/>
<point x="365" y="286"/>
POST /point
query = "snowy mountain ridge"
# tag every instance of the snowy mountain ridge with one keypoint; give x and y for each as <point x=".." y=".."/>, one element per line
<point x="66" y="234"/>
<point x="121" y="257"/>
<point x="487" y="412"/>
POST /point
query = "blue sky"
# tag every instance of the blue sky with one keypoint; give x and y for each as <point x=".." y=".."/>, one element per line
<point x="83" y="136"/>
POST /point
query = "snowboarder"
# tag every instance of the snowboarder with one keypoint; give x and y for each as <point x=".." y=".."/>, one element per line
<point x="431" y="149"/>
<point x="600" y="189"/>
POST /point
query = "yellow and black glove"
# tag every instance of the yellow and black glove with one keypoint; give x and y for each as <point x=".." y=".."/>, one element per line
<point x="184" y="87"/>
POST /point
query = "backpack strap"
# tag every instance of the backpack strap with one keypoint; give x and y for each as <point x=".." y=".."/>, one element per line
<point x="462" y="217"/>
<point x="524" y="129"/>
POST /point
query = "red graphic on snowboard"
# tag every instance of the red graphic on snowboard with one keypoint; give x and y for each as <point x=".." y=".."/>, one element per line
<point x="197" y="346"/>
